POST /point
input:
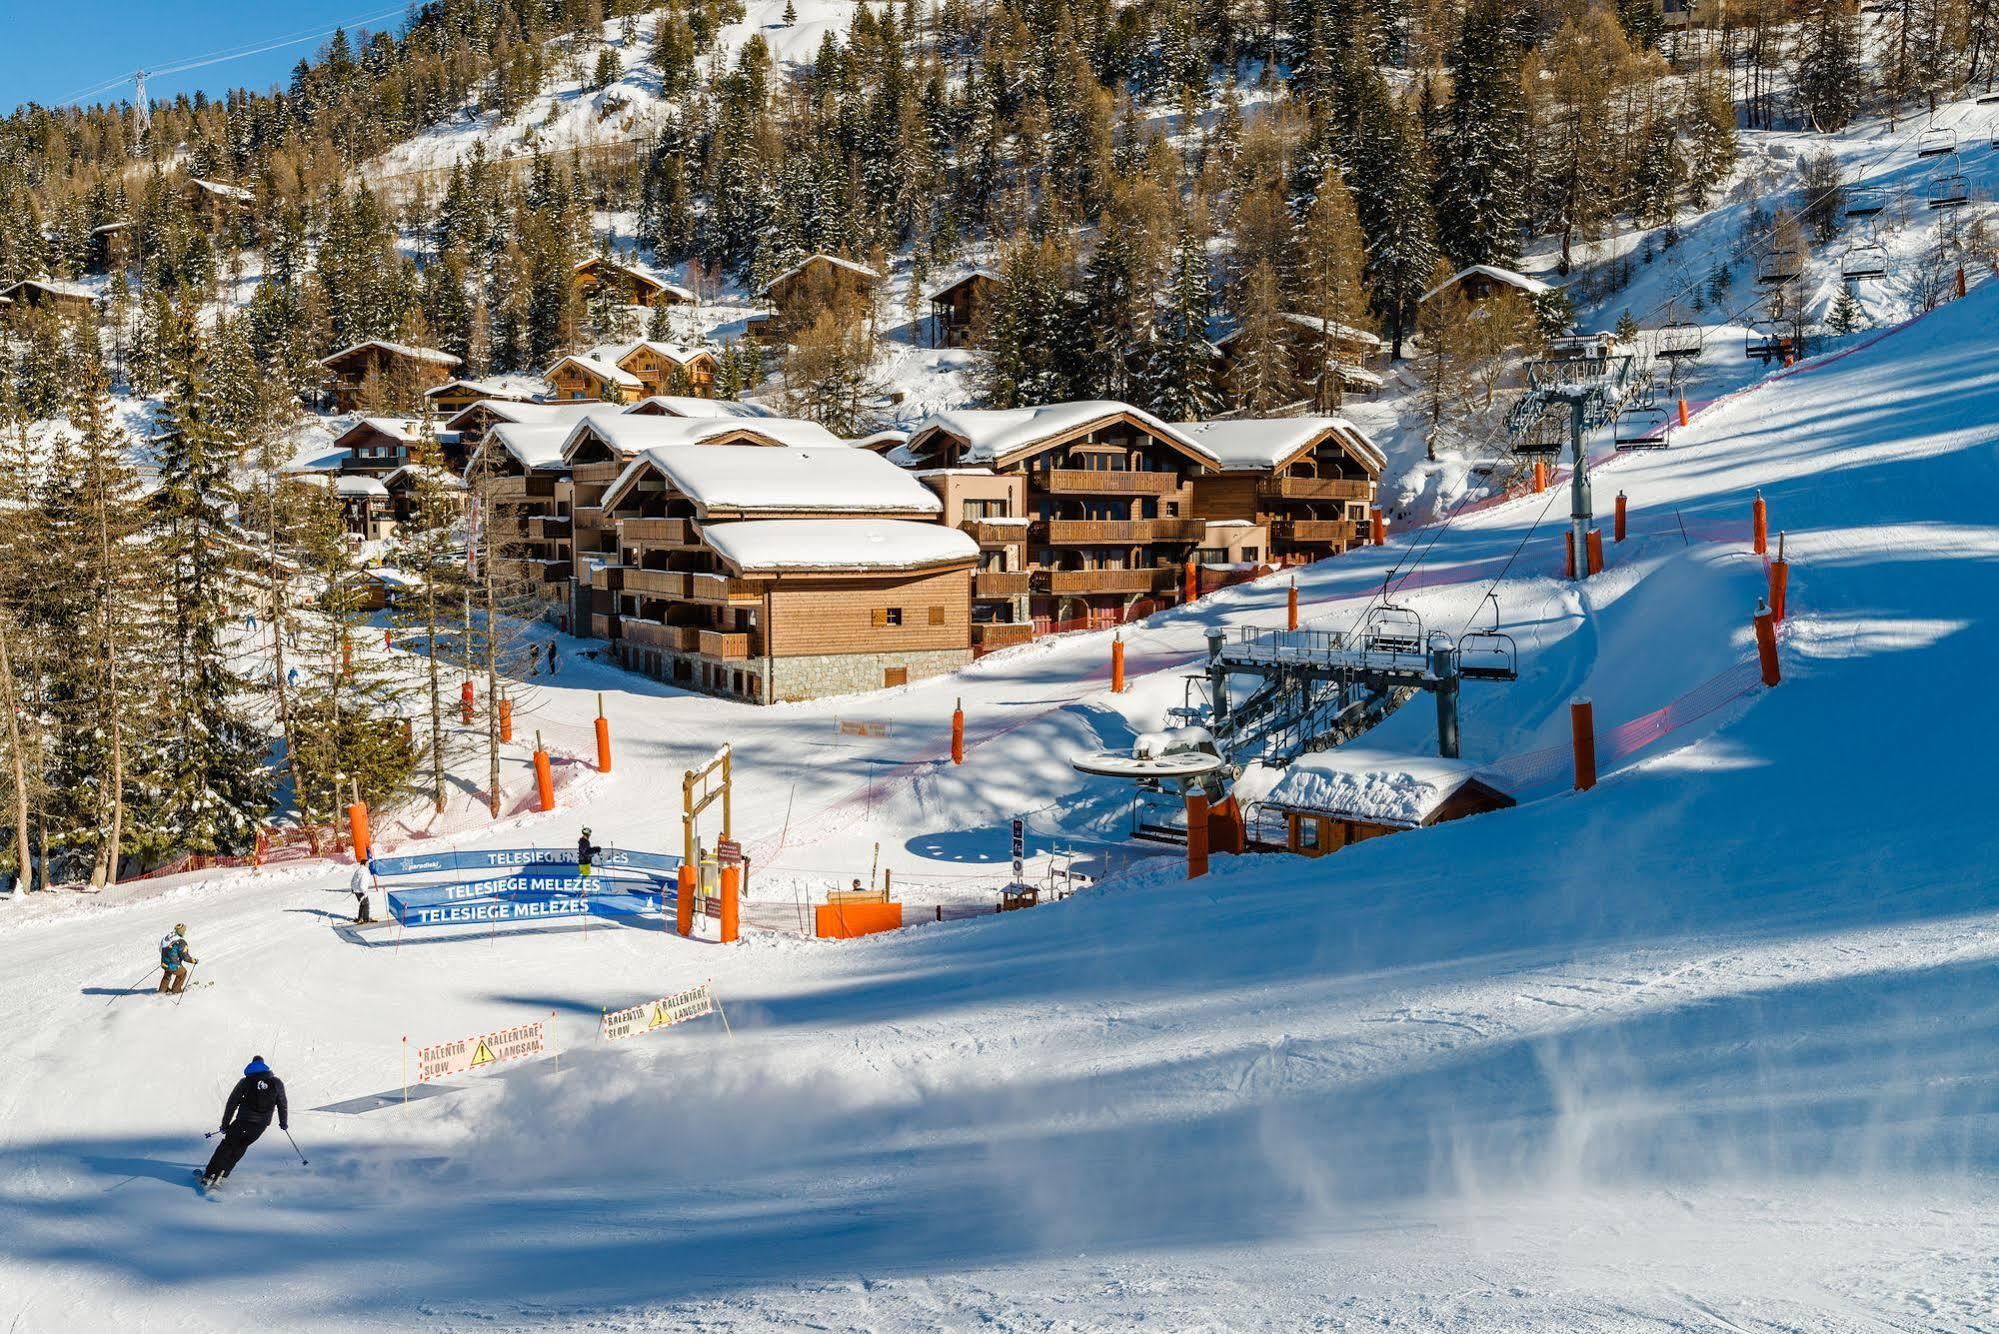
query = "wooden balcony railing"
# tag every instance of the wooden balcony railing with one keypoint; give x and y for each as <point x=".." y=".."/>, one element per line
<point x="997" y="634"/>
<point x="1097" y="482"/>
<point x="610" y="578"/>
<point x="1316" y="530"/>
<point x="1000" y="584"/>
<point x="673" y="531"/>
<point x="989" y="534"/>
<point x="721" y="588"/>
<point x="651" y="634"/>
<point x="1314" y="488"/>
<point x="1112" y="531"/>
<point x="720" y="644"/>
<point x="1147" y="580"/>
<point x="658" y="583"/>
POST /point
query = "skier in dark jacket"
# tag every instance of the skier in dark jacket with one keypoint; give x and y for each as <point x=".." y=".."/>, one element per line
<point x="247" y="1115"/>
<point x="585" y="851"/>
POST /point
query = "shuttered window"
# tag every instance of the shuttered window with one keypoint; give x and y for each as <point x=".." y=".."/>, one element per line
<point x="937" y="616"/>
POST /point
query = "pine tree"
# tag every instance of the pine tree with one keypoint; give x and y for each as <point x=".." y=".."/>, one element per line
<point x="1846" y="314"/>
<point x="1261" y="377"/>
<point x="1391" y="199"/>
<point x="1482" y="162"/>
<point x="1331" y="281"/>
<point x="1180" y="371"/>
<point x="1827" y="71"/>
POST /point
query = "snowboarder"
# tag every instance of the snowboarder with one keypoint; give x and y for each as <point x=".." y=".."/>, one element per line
<point x="551" y="657"/>
<point x="247" y="1115"/>
<point x="585" y="850"/>
<point x="359" y="886"/>
<point x="175" y="960"/>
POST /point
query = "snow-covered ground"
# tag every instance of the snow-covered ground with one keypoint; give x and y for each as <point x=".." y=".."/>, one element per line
<point x="1709" y="1046"/>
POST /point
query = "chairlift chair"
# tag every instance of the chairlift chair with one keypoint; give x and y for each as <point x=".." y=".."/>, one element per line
<point x="1680" y="340"/>
<point x="1949" y="189"/>
<point x="1390" y="628"/>
<point x="1489" y="655"/>
<point x="1866" y="260"/>
<point x="1767" y="341"/>
<point x="1645" y="429"/>
<point x="1866" y="202"/>
<point x="1780" y="264"/>
<point x="1548" y="435"/>
<point x="1936" y="142"/>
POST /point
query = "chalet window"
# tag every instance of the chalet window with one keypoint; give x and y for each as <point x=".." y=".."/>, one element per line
<point x="888" y="616"/>
<point x="1307" y="838"/>
<point x="894" y="676"/>
<point x="1211" y="556"/>
<point x="1172" y="509"/>
<point x="937" y="616"/>
<point x="1250" y="553"/>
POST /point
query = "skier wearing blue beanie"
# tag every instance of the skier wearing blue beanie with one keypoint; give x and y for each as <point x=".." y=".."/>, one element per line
<point x="256" y="1096"/>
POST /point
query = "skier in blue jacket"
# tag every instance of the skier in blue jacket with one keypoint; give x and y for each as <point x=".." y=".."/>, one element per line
<point x="246" y="1116"/>
<point x="175" y="960"/>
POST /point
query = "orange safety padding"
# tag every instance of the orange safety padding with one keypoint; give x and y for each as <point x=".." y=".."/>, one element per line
<point x="357" y="826"/>
<point x="1595" y="545"/>
<point x="1290" y="608"/>
<point x="1582" y="729"/>
<point x="465" y="698"/>
<point x="603" y="744"/>
<point x="1197" y="835"/>
<point x="506" y="720"/>
<point x="845" y="921"/>
<point x="1225" y="827"/>
<point x="544" y="782"/>
<point x="683" y="900"/>
<point x="957" y="736"/>
<point x="1780" y="585"/>
<point x="1683" y="412"/>
<point x="1569" y="554"/>
<point x="1117" y="666"/>
<point x="1617" y="533"/>
<point x="732" y="888"/>
<point x="1540" y="476"/>
<point x="1378" y="524"/>
<point x="1759" y="525"/>
<point x="1766" y="645"/>
<point x="1191" y="577"/>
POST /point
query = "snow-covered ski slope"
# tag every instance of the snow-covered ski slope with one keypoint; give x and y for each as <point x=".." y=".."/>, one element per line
<point x="1707" y="1047"/>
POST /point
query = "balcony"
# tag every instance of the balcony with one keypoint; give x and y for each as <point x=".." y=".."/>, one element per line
<point x="999" y="634"/>
<point x="1100" y="482"/>
<point x="1000" y="584"/>
<point x="589" y="516"/>
<point x="1339" y="532"/>
<point x="1145" y="580"/>
<point x="548" y="527"/>
<point x="988" y="533"/>
<point x="609" y="578"/>
<point x="657" y="583"/>
<point x="671" y="531"/>
<point x="721" y="588"/>
<point x="1124" y="532"/>
<point x="651" y="634"/>
<point x="724" y="645"/>
<point x="1314" y="488"/>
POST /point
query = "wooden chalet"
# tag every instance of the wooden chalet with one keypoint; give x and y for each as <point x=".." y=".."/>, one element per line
<point x="991" y="509"/>
<point x="111" y="246"/>
<point x="1481" y="282"/>
<point x="681" y="405"/>
<point x="1305" y="482"/>
<point x="1316" y="346"/>
<point x="578" y="378"/>
<point x="1109" y="499"/>
<point x="958" y="308"/>
<point x="216" y="202"/>
<point x="635" y="285"/>
<point x="454" y="396"/>
<point x="1325" y="800"/>
<point x="771" y="574"/>
<point x="386" y="364"/>
<point x="630" y="372"/>
<point x="364" y="506"/>
<point x="814" y="284"/>
<point x="402" y="485"/>
<point x="49" y="294"/>
<point x="517" y="473"/>
<point x="377" y="446"/>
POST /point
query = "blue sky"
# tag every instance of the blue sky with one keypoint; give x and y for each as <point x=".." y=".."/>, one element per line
<point x="55" y="49"/>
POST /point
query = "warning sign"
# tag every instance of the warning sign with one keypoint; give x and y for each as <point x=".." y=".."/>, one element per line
<point x="662" y="1013"/>
<point x="473" y="1053"/>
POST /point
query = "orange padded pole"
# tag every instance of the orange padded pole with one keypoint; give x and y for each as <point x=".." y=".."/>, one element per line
<point x="1540" y="476"/>
<point x="1291" y="606"/>
<point x="1595" y="545"/>
<point x="357" y="827"/>
<point x="1582" y="732"/>
<point x="732" y="885"/>
<point x="603" y="738"/>
<point x="1780" y="580"/>
<point x="465" y="698"/>
<point x="1569" y="554"/>
<point x="1378" y="525"/>
<point x="1197" y="835"/>
<point x="506" y="719"/>
<point x="388" y="639"/>
<point x="1191" y="578"/>
<point x="1766" y="643"/>
<point x="1683" y="412"/>
<point x="1617" y="524"/>
<point x="1759" y="525"/>
<point x="544" y="778"/>
<point x="1960" y="280"/>
<point x="683" y="901"/>
<point x="1117" y="665"/>
<point x="958" y="733"/>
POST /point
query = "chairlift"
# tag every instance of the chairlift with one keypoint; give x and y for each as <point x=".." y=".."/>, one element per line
<point x="1987" y="99"/>
<point x="1936" y="142"/>
<point x="1767" y="341"/>
<point x="1948" y="188"/>
<point x="1489" y="655"/>
<point x="1866" y="202"/>
<point x="1868" y="259"/>
<point x="1548" y="435"/>
<point x="1648" y="428"/>
<point x="1390" y="628"/>
<point x="1780" y="264"/>
<point x="1680" y="340"/>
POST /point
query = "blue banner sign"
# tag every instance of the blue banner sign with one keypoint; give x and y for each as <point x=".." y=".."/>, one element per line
<point x="554" y="878"/>
<point x="481" y="912"/>
<point x="500" y="859"/>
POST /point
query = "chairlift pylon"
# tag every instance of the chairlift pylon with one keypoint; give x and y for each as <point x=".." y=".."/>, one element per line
<point x="1936" y="141"/>
<point x="1489" y="655"/>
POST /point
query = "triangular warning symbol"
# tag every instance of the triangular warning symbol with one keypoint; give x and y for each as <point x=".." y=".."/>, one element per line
<point x="483" y="1056"/>
<point x="658" y="1015"/>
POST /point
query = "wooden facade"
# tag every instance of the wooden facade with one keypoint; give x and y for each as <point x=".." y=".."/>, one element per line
<point x="818" y="283"/>
<point x="454" y="396"/>
<point x="49" y="294"/>
<point x="638" y="288"/>
<point x="579" y="379"/>
<point x="385" y="364"/>
<point x="991" y="508"/>
<point x="1315" y="347"/>
<point x="377" y="446"/>
<point x="1314" y="832"/>
<point x="1311" y="496"/>
<point x="958" y="309"/>
<point x="632" y="372"/>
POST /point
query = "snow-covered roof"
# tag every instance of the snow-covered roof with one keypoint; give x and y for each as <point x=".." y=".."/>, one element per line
<point x="988" y="274"/>
<point x="887" y="438"/>
<point x="1343" y="333"/>
<point x="501" y="388"/>
<point x="532" y="444"/>
<point x="1375" y="787"/>
<point x="755" y="479"/>
<point x="860" y="269"/>
<point x="53" y="286"/>
<point x="430" y="354"/>
<point x="680" y="405"/>
<point x="755" y="546"/>
<point x="635" y="271"/>
<point x="627" y="435"/>
<point x="358" y="484"/>
<point x="1259" y="444"/>
<point x="680" y="354"/>
<point x="536" y="413"/>
<point x="993" y="434"/>
<point x="396" y="428"/>
<point x="1531" y="286"/>
<point x="220" y="189"/>
<point x="411" y="472"/>
<point x="603" y="370"/>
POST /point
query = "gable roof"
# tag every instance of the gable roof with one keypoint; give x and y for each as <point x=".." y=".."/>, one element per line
<point x="411" y="472"/>
<point x="429" y="354"/>
<point x="770" y="546"/>
<point x="399" y="429"/>
<point x="53" y="286"/>
<point x="681" y="405"/>
<point x="220" y="190"/>
<point x="1257" y="444"/>
<point x="860" y="270"/>
<point x="1401" y="791"/>
<point x="989" y="275"/>
<point x="633" y="270"/>
<point x="680" y="354"/>
<point x="627" y="435"/>
<point x="998" y="435"/>
<point x="1343" y="333"/>
<point x="603" y="370"/>
<point x="499" y="388"/>
<point x="747" y="478"/>
<point x="534" y="446"/>
<point x="1531" y="286"/>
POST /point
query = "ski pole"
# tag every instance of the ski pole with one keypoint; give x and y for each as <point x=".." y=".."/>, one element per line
<point x="135" y="984"/>
<point x="295" y="1148"/>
